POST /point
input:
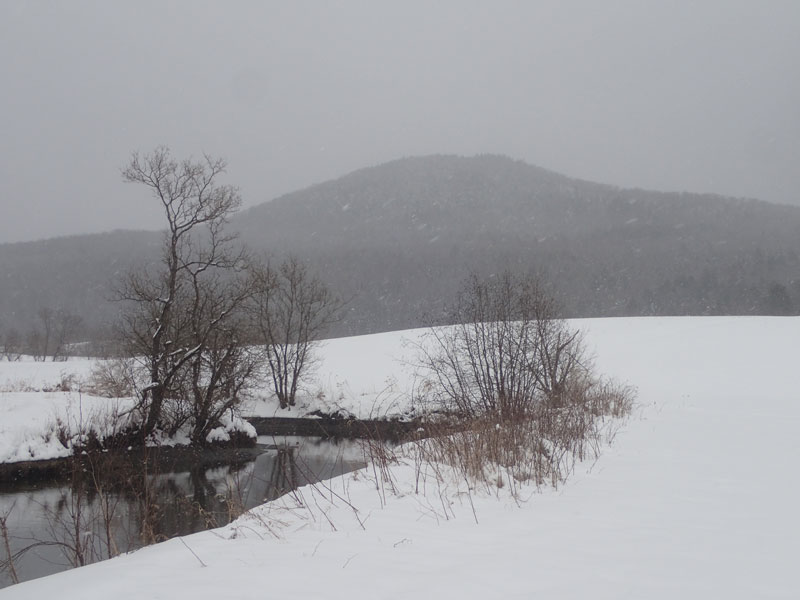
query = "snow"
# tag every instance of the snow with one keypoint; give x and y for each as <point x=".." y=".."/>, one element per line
<point x="695" y="498"/>
<point x="218" y="434"/>
<point x="29" y="375"/>
<point x="229" y="425"/>
<point x="31" y="421"/>
<point x="367" y="376"/>
<point x="364" y="376"/>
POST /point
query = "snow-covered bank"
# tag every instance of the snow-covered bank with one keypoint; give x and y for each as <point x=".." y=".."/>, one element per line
<point x="356" y="375"/>
<point x="368" y="377"/>
<point x="696" y="499"/>
<point x="45" y="425"/>
<point x="40" y="401"/>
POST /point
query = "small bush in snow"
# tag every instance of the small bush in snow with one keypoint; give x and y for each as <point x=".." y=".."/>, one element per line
<point x="507" y="352"/>
<point x="115" y="378"/>
<point x="518" y="381"/>
<point x="539" y="449"/>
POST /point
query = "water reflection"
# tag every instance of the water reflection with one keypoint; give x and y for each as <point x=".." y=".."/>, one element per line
<point x="103" y="513"/>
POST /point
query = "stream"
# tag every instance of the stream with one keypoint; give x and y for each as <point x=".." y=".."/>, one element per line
<point x="56" y="527"/>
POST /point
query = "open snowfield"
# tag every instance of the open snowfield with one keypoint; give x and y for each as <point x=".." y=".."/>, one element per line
<point x="696" y="498"/>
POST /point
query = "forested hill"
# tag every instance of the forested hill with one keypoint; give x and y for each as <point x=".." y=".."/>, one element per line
<point x="398" y="239"/>
<point x="74" y="273"/>
<point x="405" y="233"/>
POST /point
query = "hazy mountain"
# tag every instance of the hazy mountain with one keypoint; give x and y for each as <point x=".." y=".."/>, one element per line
<point x="398" y="239"/>
<point x="73" y="273"/>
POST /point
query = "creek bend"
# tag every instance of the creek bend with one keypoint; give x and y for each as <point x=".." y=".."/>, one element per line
<point x="45" y="515"/>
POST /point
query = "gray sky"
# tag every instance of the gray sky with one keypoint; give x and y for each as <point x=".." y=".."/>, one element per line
<point x="684" y="95"/>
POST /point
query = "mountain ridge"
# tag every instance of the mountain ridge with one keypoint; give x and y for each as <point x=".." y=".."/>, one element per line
<point x="399" y="237"/>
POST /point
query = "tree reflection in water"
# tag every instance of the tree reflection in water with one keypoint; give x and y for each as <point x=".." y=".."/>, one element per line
<point x="116" y="511"/>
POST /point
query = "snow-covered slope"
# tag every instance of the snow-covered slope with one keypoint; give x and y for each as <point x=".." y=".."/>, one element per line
<point x="696" y="498"/>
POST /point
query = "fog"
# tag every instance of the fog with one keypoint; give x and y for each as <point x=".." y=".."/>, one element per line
<point x="696" y="96"/>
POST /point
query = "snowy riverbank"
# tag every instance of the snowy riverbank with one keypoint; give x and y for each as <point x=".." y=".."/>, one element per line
<point x="696" y="498"/>
<point x="368" y="377"/>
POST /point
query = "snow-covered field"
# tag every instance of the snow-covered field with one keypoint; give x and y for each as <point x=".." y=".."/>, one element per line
<point x="366" y="376"/>
<point x="696" y="498"/>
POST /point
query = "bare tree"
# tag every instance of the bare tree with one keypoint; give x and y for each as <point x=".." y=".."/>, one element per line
<point x="38" y="341"/>
<point x="165" y="303"/>
<point x="292" y="309"/>
<point x="53" y="334"/>
<point x="12" y="345"/>
<point x="47" y="322"/>
<point x="506" y="352"/>
<point x="64" y="327"/>
<point x="222" y="365"/>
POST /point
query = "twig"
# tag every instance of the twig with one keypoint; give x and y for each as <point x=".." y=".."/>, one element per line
<point x="347" y="562"/>
<point x="9" y="563"/>
<point x="193" y="552"/>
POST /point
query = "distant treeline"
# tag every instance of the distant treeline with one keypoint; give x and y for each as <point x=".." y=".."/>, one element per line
<point x="398" y="239"/>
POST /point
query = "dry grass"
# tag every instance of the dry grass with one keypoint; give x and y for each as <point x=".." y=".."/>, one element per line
<point x="538" y="448"/>
<point x="114" y="378"/>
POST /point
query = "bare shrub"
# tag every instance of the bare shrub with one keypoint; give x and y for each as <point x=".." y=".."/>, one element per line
<point x="67" y="382"/>
<point x="52" y="335"/>
<point x="12" y="345"/>
<point x="540" y="449"/>
<point x="517" y="380"/>
<point x="114" y="378"/>
<point x="506" y="352"/>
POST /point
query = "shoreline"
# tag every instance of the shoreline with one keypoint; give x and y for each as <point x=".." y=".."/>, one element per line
<point x="25" y="474"/>
<point x="182" y="458"/>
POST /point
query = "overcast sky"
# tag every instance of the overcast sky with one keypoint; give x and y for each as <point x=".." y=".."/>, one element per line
<point x="685" y="95"/>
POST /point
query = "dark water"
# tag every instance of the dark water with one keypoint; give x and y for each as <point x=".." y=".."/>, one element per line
<point x="58" y="527"/>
